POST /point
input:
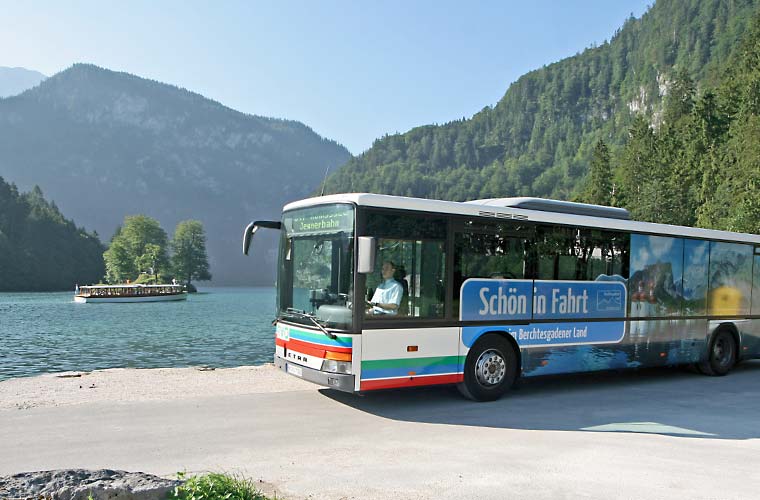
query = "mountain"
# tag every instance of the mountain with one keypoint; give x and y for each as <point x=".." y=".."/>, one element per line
<point x="13" y="81"/>
<point x="41" y="250"/>
<point x="104" y="145"/>
<point x="538" y="139"/>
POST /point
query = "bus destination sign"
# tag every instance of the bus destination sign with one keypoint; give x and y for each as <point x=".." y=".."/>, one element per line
<point x="331" y="219"/>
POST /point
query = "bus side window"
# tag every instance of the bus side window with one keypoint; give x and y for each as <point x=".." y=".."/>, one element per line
<point x="490" y="250"/>
<point x="417" y="248"/>
<point x="573" y="254"/>
<point x="419" y="267"/>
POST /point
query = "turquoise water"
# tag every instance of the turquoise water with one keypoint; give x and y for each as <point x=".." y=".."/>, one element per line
<point x="220" y="327"/>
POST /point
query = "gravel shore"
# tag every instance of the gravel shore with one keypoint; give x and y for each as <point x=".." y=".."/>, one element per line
<point x="127" y="385"/>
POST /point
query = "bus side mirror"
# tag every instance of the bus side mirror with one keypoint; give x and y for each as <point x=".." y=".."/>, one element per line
<point x="254" y="226"/>
<point x="366" y="258"/>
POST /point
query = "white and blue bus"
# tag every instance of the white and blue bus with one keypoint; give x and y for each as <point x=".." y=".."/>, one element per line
<point x="377" y="291"/>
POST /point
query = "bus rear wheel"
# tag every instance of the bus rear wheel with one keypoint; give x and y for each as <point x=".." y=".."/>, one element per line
<point x="722" y="356"/>
<point x="489" y="370"/>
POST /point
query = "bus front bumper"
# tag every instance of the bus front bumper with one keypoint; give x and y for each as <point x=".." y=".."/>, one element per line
<point x="340" y="381"/>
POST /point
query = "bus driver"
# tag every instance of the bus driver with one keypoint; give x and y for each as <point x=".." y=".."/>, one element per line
<point x="388" y="294"/>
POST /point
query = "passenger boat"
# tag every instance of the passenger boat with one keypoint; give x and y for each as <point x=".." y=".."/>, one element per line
<point x="129" y="293"/>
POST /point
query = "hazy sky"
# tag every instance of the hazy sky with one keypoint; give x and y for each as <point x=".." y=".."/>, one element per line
<point x="353" y="71"/>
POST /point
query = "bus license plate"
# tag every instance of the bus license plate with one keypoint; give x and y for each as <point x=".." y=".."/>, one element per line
<point x="294" y="370"/>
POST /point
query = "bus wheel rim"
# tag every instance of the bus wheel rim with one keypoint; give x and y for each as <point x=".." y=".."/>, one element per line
<point x="722" y="351"/>
<point x="490" y="368"/>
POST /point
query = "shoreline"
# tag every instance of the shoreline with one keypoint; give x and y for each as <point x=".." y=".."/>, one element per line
<point x="127" y="385"/>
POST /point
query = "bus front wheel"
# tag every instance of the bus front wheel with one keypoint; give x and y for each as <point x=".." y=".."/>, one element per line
<point x="722" y="356"/>
<point x="489" y="370"/>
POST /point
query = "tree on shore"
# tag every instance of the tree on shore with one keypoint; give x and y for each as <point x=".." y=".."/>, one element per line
<point x="189" y="259"/>
<point x="139" y="245"/>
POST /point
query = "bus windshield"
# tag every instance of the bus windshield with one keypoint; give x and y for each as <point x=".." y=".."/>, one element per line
<point x="316" y="266"/>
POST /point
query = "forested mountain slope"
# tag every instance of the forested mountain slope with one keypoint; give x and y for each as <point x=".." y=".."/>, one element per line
<point x="537" y="140"/>
<point x="701" y="164"/>
<point x="40" y="250"/>
<point x="104" y="145"/>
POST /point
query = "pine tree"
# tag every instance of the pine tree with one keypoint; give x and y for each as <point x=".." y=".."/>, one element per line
<point x="599" y="190"/>
<point x="635" y="170"/>
<point x="679" y="101"/>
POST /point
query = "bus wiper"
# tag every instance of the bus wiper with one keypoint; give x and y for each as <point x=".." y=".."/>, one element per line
<point x="313" y="319"/>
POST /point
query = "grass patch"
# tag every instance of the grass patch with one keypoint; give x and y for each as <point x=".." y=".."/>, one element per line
<point x="215" y="486"/>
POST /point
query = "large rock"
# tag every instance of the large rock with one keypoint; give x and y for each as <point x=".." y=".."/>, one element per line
<point x="80" y="484"/>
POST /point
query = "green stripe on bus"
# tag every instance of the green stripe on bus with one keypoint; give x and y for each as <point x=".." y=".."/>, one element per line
<point x="411" y="362"/>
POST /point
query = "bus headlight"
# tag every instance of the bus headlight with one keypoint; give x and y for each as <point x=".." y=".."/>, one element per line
<point x="333" y="366"/>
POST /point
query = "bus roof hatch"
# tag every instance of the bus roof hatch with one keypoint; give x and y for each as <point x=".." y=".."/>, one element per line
<point x="563" y="207"/>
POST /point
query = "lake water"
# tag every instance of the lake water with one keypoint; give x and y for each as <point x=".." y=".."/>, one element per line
<point x="220" y="327"/>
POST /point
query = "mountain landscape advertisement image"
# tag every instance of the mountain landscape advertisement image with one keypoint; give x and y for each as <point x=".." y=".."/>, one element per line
<point x="428" y="250"/>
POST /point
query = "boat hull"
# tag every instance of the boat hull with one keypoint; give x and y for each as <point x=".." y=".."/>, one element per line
<point x="149" y="298"/>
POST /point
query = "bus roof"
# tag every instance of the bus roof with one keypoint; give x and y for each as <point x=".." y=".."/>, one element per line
<point x="566" y="213"/>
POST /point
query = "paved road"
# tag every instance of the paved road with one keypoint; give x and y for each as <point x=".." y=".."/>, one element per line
<point x="652" y="434"/>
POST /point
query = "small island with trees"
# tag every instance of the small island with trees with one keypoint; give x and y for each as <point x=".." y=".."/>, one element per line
<point x="140" y="252"/>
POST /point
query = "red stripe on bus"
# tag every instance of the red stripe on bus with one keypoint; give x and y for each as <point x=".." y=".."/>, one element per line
<point x="280" y="342"/>
<point x="371" y="385"/>
<point x="310" y="351"/>
<point x="300" y="344"/>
